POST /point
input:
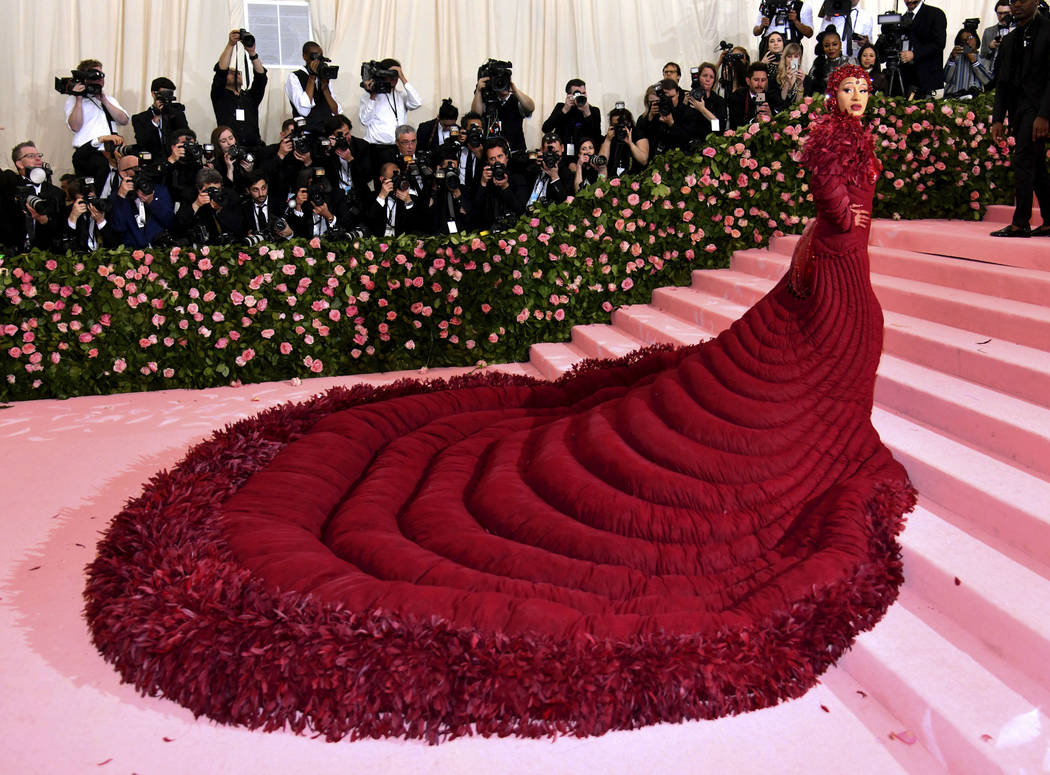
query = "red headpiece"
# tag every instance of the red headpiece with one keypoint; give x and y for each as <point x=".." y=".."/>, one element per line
<point x="835" y="80"/>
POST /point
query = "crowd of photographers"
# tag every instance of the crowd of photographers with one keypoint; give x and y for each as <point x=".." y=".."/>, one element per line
<point x="149" y="180"/>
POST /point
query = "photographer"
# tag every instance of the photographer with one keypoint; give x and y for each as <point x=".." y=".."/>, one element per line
<point x="927" y="32"/>
<point x="309" y="91"/>
<point x="965" y="75"/>
<point x="503" y="106"/>
<point x="733" y="62"/>
<point x="868" y="58"/>
<point x="347" y="164"/>
<point x="385" y="103"/>
<point x="590" y="167"/>
<point x="575" y="119"/>
<point x="448" y="206"/>
<point x="1022" y="98"/>
<point x="403" y="154"/>
<point x="319" y="209"/>
<point x="234" y="107"/>
<point x="141" y="209"/>
<point x="551" y="180"/>
<point x="625" y="151"/>
<point x="472" y="154"/>
<point x="752" y="103"/>
<point x="91" y="114"/>
<point x="793" y="20"/>
<point x="501" y="195"/>
<point x="30" y="205"/>
<point x="263" y="214"/>
<point x="164" y="115"/>
<point x="672" y="70"/>
<point x="215" y="216"/>
<point x="233" y="162"/>
<point x="670" y="123"/>
<point x="992" y="37"/>
<point x="394" y="210"/>
<point x="829" y="59"/>
<point x="855" y="26"/>
<point x="184" y="160"/>
<point x="702" y="97"/>
<point x="86" y="226"/>
<point x="433" y="133"/>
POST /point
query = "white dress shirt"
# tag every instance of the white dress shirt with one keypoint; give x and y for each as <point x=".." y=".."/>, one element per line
<point x="805" y="17"/>
<point x="863" y="24"/>
<point x="297" y="95"/>
<point x="383" y="115"/>
<point x="95" y="124"/>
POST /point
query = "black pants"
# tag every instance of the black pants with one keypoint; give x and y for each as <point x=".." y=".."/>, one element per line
<point x="90" y="162"/>
<point x="1030" y="174"/>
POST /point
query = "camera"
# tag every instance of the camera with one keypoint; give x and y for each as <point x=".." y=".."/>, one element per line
<point x="65" y="85"/>
<point x="277" y="225"/>
<point x="383" y="79"/>
<point x="341" y="143"/>
<point x="146" y="176"/>
<point x="325" y="70"/>
<point x="499" y="74"/>
<point x="197" y="153"/>
<point x="318" y="189"/>
<point x="598" y="161"/>
<point x="620" y="132"/>
<point x="166" y="98"/>
<point x="218" y="194"/>
<point x="666" y="104"/>
<point x="475" y="137"/>
<point x="247" y="39"/>
<point x="239" y="153"/>
<point x="499" y="171"/>
<point x="777" y="10"/>
<point x="401" y="182"/>
<point x="447" y="176"/>
<point x="26" y="195"/>
<point x="579" y="98"/>
<point x="91" y="197"/>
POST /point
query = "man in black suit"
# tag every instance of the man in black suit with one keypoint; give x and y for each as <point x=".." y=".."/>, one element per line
<point x="922" y="65"/>
<point x="261" y="209"/>
<point x="992" y="37"/>
<point x="214" y="215"/>
<point x="501" y="194"/>
<point x="673" y="124"/>
<point x="235" y="106"/>
<point x="23" y="225"/>
<point x="1023" y="99"/>
<point x="154" y="123"/>
<point x="751" y="101"/>
<point x="347" y="165"/>
<point x="393" y="210"/>
<point x="575" y="119"/>
<point x="431" y="134"/>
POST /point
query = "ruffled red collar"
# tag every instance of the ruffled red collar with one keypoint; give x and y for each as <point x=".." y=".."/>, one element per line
<point x="841" y="142"/>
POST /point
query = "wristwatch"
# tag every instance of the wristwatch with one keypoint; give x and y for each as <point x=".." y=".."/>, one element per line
<point x="253" y="57"/>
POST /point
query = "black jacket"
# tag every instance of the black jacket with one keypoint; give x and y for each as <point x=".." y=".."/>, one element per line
<point x="491" y="204"/>
<point x="1022" y="88"/>
<point x="149" y="138"/>
<point x="928" y="36"/>
<point x="573" y="127"/>
<point x="13" y="217"/>
<point x="225" y="104"/>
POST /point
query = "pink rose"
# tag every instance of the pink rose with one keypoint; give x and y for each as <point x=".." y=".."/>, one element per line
<point x="119" y="365"/>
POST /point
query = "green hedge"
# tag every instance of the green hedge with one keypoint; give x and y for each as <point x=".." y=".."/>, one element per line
<point x="123" y="321"/>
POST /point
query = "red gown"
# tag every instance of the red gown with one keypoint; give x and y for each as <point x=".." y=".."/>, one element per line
<point x="688" y="534"/>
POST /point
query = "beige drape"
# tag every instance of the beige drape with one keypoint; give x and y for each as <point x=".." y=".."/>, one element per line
<point x="617" y="46"/>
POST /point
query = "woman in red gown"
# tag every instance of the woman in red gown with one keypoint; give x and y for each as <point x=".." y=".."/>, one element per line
<point x="685" y="534"/>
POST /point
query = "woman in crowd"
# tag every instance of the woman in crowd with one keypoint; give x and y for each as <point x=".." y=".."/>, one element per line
<point x="829" y="59"/>
<point x="790" y="76"/>
<point x="710" y="104"/>
<point x="868" y="58"/>
<point x="734" y="71"/>
<point x="586" y="171"/>
<point x="965" y="74"/>
<point x="231" y="161"/>
<point x="774" y="50"/>
<point x="625" y="146"/>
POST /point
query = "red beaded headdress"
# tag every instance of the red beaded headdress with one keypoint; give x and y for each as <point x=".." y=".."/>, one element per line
<point x="836" y="79"/>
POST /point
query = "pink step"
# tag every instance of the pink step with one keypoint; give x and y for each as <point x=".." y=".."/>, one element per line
<point x="1010" y="368"/>
<point x="958" y="709"/>
<point x="519" y="369"/>
<point x="990" y="317"/>
<point x="702" y="309"/>
<point x="1013" y="430"/>
<point x="1003" y="214"/>
<point x="651" y="325"/>
<point x="965" y="239"/>
<point x="603" y="341"/>
<point x="999" y="601"/>
<point x="1009" y="504"/>
<point x="552" y="359"/>
<point x="1008" y="282"/>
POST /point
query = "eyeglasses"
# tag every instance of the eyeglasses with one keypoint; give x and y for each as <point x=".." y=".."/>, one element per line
<point x="31" y="156"/>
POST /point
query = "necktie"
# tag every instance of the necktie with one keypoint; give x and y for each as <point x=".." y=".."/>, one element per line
<point x="261" y="217"/>
<point x="848" y="33"/>
<point x="908" y="18"/>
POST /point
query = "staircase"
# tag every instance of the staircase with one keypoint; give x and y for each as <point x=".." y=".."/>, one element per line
<point x="956" y="678"/>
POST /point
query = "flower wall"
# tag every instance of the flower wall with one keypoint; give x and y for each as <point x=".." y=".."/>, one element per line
<point x="116" y="321"/>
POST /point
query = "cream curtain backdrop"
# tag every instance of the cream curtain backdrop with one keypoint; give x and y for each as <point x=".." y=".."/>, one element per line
<point x="617" y="46"/>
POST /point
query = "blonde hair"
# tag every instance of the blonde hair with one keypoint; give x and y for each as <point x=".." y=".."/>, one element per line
<point x="783" y="74"/>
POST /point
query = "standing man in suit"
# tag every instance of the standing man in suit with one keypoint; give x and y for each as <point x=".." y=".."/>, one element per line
<point x="992" y="37"/>
<point x="164" y="115"/>
<point x="922" y="64"/>
<point x="1022" y="99"/>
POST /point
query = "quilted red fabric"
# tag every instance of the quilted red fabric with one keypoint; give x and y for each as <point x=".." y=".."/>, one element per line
<point x="684" y="534"/>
